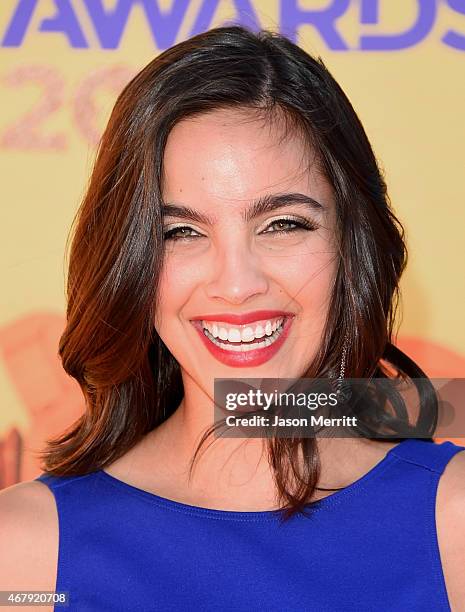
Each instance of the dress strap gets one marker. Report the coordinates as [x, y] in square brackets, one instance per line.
[54, 482]
[431, 455]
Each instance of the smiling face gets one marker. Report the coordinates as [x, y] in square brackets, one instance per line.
[250, 252]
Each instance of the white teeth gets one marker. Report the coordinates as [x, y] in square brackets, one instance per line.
[234, 335]
[241, 346]
[247, 334]
[241, 333]
[241, 337]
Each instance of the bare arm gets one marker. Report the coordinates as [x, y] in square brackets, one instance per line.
[450, 522]
[29, 537]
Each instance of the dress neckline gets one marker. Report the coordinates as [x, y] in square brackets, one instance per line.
[253, 514]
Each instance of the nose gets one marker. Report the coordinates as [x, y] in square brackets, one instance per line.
[238, 275]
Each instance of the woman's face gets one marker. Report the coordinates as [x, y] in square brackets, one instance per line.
[250, 249]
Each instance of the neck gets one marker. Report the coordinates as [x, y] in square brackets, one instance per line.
[237, 469]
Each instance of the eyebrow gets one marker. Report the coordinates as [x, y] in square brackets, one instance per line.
[263, 204]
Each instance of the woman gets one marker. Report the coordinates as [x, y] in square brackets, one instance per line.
[235, 197]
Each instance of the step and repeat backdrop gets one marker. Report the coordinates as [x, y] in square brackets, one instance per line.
[63, 63]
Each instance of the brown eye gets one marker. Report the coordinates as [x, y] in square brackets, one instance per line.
[283, 225]
[289, 225]
[180, 233]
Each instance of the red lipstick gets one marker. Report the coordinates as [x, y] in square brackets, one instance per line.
[250, 358]
[244, 318]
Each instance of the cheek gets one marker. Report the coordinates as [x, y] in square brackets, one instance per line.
[310, 282]
[178, 280]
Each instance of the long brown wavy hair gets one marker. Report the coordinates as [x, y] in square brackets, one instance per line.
[130, 381]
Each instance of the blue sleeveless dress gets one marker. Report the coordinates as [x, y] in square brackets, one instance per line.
[369, 547]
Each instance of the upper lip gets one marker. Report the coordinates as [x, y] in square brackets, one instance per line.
[243, 318]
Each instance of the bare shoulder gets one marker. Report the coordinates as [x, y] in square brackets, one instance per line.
[29, 536]
[450, 523]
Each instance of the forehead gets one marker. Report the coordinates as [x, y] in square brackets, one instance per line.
[229, 156]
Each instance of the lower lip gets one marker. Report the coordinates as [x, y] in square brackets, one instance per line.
[241, 359]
